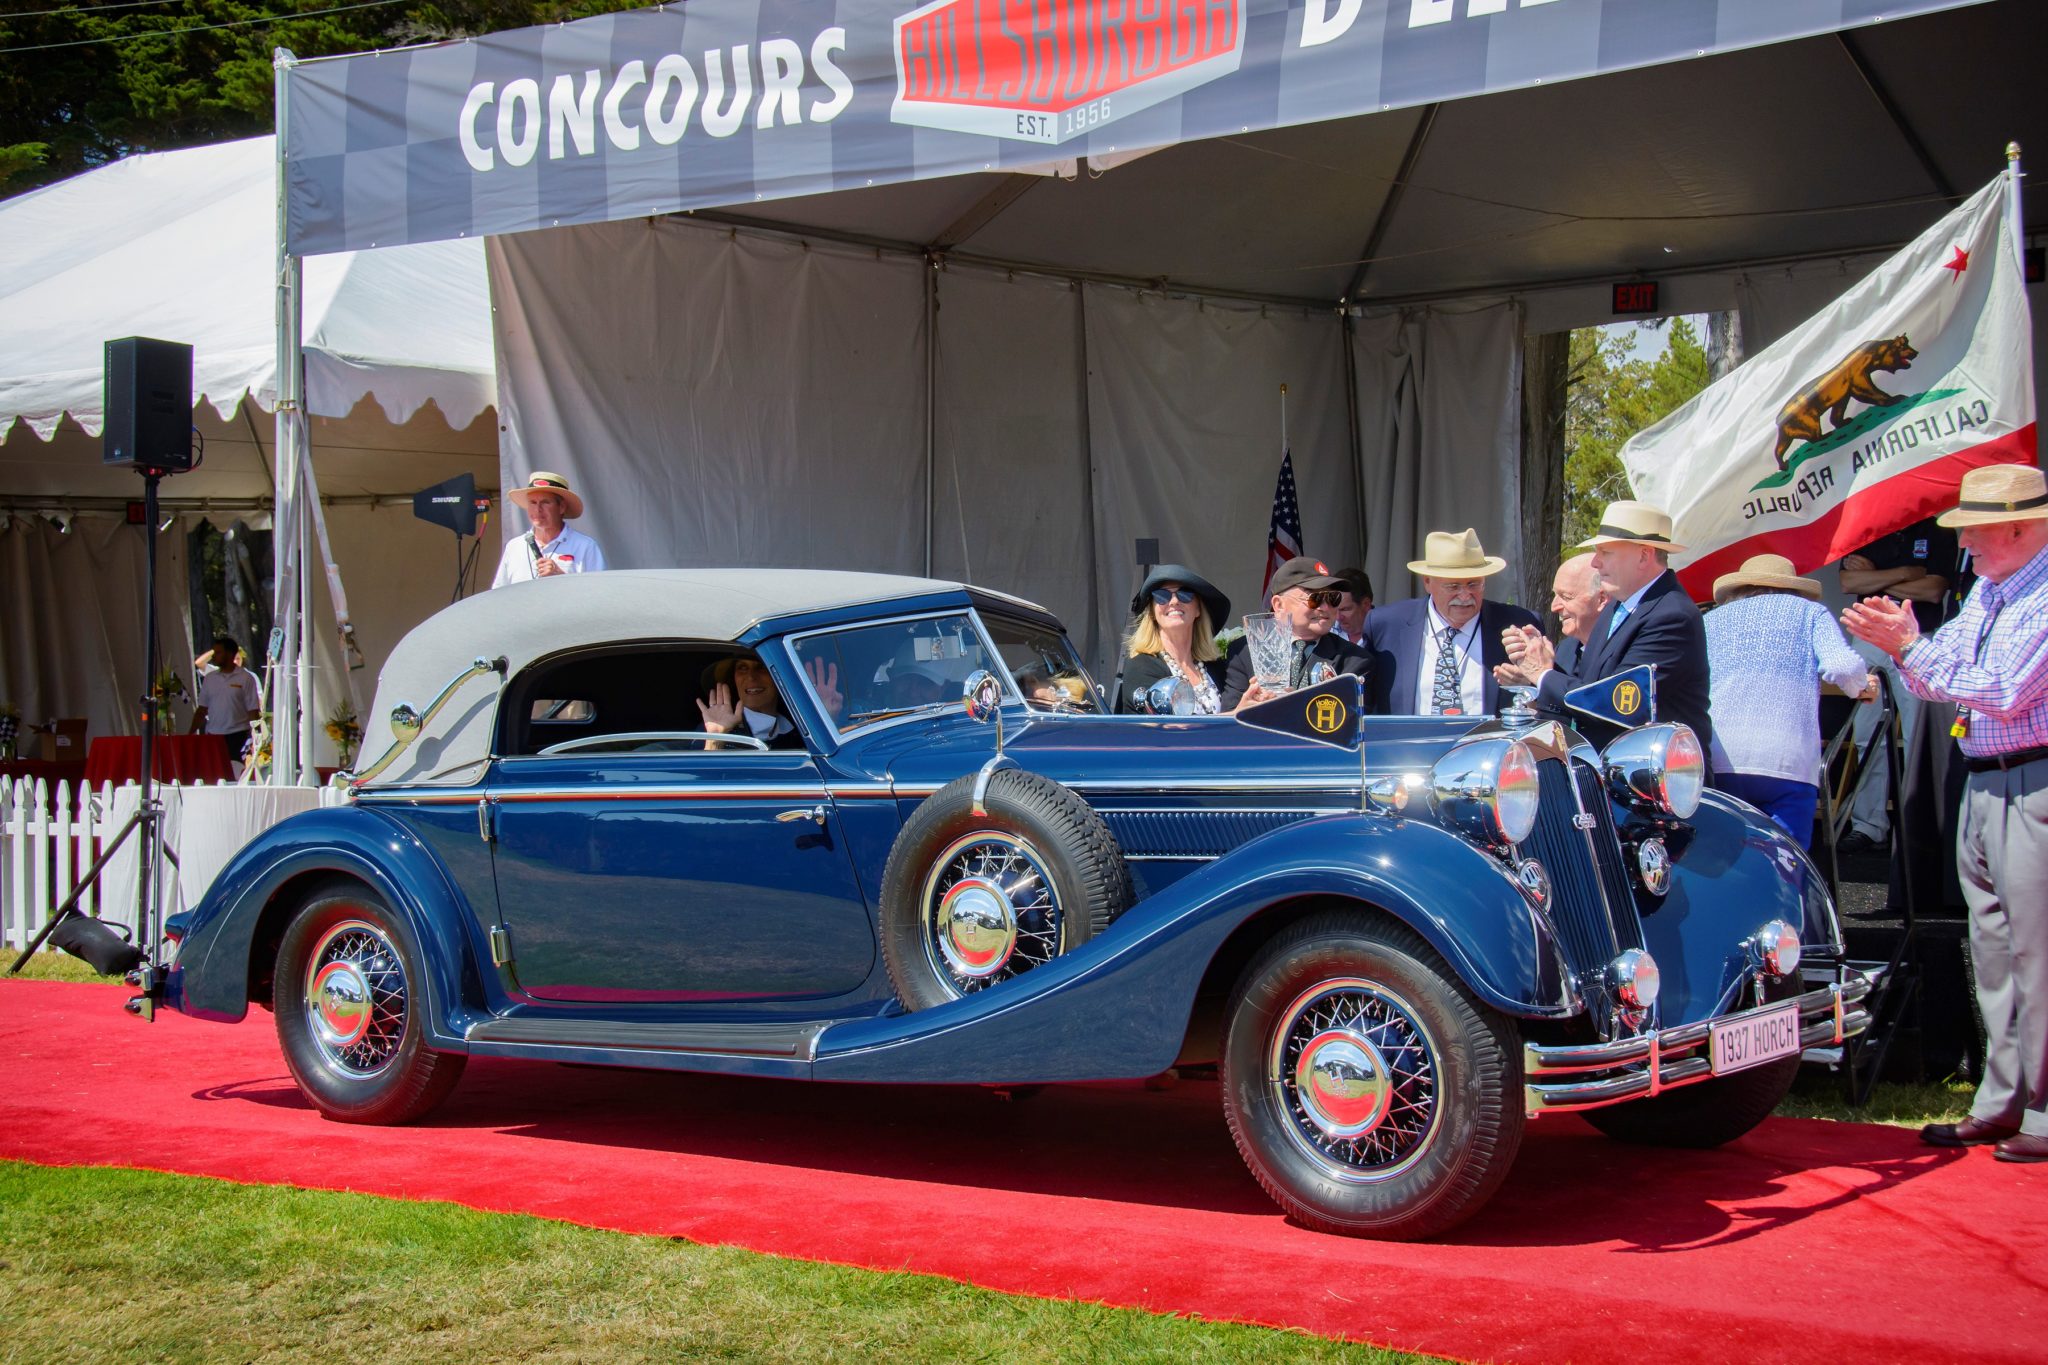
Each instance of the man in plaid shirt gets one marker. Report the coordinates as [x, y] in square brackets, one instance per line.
[1992, 662]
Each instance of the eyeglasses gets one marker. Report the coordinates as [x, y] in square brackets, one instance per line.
[1325, 597]
[1164, 595]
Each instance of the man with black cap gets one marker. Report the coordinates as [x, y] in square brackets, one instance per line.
[1304, 594]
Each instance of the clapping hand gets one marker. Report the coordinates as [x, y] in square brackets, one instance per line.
[1883, 621]
[721, 714]
[1529, 651]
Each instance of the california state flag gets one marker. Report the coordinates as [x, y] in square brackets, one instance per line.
[1862, 420]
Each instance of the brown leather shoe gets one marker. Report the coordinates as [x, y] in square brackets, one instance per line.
[1971, 1132]
[2025, 1147]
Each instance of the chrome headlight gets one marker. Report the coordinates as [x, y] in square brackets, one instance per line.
[1635, 978]
[1487, 789]
[1661, 767]
[1777, 949]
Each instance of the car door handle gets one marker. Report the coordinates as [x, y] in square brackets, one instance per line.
[790, 817]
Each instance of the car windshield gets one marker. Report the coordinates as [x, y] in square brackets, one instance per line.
[903, 666]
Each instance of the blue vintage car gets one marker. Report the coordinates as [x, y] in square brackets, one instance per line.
[577, 845]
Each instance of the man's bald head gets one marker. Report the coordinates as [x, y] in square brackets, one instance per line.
[1576, 598]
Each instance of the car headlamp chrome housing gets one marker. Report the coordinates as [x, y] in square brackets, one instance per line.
[1487, 789]
[1660, 768]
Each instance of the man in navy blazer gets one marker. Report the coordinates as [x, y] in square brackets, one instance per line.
[1435, 654]
[1648, 619]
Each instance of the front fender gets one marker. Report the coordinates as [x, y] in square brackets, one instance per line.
[1735, 873]
[1119, 1005]
[211, 977]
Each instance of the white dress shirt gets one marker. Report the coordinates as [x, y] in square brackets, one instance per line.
[574, 551]
[1471, 667]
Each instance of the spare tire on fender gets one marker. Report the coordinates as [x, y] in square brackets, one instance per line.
[970, 900]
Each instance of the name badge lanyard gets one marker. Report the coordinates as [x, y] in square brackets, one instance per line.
[1960, 728]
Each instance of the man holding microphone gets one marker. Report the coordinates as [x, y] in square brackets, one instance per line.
[550, 548]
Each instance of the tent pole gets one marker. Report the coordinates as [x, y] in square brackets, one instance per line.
[286, 644]
[1347, 337]
[931, 403]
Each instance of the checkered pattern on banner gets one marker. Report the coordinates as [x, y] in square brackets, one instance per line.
[730, 102]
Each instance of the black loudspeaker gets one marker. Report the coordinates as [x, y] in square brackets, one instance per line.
[148, 405]
[452, 504]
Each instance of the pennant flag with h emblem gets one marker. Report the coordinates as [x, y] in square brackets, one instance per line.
[1628, 698]
[1327, 713]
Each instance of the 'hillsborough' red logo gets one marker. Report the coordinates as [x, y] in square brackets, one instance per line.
[1048, 70]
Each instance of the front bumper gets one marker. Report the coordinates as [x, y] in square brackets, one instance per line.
[1559, 1079]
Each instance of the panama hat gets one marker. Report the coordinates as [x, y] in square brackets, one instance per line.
[1999, 492]
[1766, 571]
[1633, 523]
[1213, 602]
[1449, 554]
[545, 482]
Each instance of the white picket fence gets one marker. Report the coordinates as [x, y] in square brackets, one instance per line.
[51, 836]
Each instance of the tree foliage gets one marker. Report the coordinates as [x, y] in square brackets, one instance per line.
[88, 83]
[1612, 394]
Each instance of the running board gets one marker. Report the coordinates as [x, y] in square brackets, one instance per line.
[796, 1041]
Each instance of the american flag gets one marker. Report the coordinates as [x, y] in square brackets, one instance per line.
[1283, 541]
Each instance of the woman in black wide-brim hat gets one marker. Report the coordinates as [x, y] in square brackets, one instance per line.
[1174, 619]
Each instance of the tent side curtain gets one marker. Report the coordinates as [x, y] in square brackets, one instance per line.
[722, 398]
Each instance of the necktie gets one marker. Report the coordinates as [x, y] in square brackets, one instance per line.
[1297, 673]
[1620, 615]
[1444, 699]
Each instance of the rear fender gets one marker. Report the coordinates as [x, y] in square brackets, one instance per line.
[211, 978]
[1119, 1005]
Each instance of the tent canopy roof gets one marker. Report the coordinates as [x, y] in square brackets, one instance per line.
[182, 246]
[1821, 146]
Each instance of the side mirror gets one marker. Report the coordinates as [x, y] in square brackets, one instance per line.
[1169, 697]
[984, 695]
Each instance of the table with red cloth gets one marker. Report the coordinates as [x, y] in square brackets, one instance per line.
[34, 769]
[175, 758]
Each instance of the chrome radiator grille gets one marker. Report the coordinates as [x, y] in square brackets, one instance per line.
[1591, 904]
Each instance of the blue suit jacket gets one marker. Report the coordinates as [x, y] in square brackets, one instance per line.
[1667, 631]
[1394, 637]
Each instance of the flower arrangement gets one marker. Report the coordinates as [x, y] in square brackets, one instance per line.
[345, 728]
[10, 726]
[165, 686]
[256, 758]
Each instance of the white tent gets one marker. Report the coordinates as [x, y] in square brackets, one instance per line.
[181, 246]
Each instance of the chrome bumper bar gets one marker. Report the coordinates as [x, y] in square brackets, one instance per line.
[1592, 1075]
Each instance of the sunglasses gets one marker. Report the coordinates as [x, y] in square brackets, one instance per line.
[1164, 595]
[1324, 597]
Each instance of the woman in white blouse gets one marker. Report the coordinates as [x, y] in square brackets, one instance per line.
[1770, 644]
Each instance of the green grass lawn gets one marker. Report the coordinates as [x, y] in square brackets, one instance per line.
[113, 1265]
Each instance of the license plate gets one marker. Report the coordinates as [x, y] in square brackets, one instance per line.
[1753, 1039]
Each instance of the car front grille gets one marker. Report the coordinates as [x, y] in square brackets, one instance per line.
[1591, 904]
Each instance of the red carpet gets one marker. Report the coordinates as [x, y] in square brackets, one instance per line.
[1805, 1241]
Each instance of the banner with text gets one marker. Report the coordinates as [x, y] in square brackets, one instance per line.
[720, 103]
[1863, 419]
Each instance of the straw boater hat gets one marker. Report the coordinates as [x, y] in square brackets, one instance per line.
[1633, 523]
[1450, 554]
[1766, 571]
[1999, 492]
[545, 482]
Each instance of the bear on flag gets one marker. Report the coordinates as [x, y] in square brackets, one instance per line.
[1864, 418]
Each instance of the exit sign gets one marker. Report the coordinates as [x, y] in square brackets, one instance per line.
[1639, 296]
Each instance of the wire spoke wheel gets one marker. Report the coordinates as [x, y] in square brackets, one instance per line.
[990, 912]
[1356, 1072]
[356, 999]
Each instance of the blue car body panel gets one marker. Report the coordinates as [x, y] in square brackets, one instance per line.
[721, 911]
